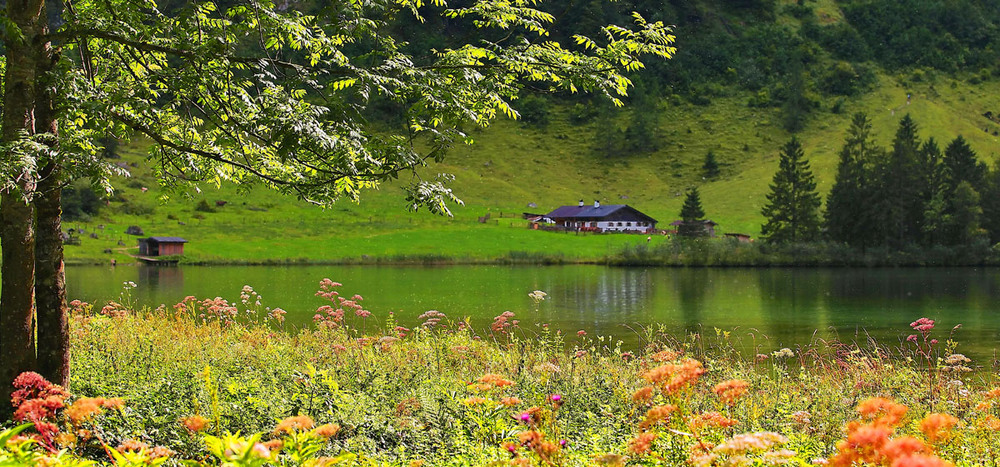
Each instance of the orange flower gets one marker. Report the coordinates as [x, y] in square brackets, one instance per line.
[643, 395]
[195, 423]
[83, 409]
[863, 444]
[495, 380]
[327, 431]
[921, 460]
[937, 426]
[475, 400]
[86, 407]
[657, 414]
[882, 411]
[903, 447]
[711, 420]
[641, 444]
[510, 401]
[66, 439]
[274, 444]
[729, 391]
[672, 377]
[993, 394]
[296, 423]
[990, 423]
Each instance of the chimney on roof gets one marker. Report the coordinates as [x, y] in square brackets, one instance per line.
[581, 203]
[597, 203]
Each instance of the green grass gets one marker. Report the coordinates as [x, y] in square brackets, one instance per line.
[511, 165]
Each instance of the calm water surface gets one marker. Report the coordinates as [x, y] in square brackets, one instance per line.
[779, 307]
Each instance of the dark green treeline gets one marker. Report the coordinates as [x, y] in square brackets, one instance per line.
[912, 195]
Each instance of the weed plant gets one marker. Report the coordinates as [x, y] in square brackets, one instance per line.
[213, 383]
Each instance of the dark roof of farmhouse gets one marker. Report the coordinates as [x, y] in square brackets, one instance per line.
[166, 240]
[589, 211]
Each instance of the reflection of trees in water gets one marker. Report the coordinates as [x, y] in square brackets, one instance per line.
[792, 303]
[911, 285]
[604, 300]
[691, 286]
[154, 278]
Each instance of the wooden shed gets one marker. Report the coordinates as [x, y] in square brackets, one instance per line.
[161, 246]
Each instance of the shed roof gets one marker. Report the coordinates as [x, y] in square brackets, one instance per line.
[703, 221]
[590, 211]
[165, 240]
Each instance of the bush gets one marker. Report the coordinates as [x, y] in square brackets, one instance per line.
[845, 79]
[204, 206]
[534, 110]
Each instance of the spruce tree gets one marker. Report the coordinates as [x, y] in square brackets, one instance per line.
[692, 215]
[792, 209]
[963, 178]
[850, 215]
[990, 202]
[931, 176]
[796, 107]
[898, 197]
[963, 165]
[710, 168]
[691, 210]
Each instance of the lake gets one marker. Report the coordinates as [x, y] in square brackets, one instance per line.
[778, 307]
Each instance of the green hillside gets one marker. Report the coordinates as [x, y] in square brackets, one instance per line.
[559, 154]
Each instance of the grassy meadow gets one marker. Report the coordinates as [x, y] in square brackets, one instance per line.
[215, 383]
[512, 164]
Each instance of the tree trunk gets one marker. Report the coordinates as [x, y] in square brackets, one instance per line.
[17, 239]
[50, 282]
[17, 347]
[50, 274]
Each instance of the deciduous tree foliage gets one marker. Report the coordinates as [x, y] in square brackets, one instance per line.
[792, 209]
[257, 94]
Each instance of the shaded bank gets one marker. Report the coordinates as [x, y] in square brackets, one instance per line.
[730, 252]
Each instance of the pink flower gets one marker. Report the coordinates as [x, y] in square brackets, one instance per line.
[922, 325]
[581, 333]
[556, 398]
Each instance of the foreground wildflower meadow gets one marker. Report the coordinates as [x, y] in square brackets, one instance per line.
[208, 382]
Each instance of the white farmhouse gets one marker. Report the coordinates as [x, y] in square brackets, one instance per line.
[597, 218]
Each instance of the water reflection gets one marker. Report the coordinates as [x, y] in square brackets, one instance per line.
[600, 302]
[160, 277]
[788, 306]
[797, 303]
[691, 288]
